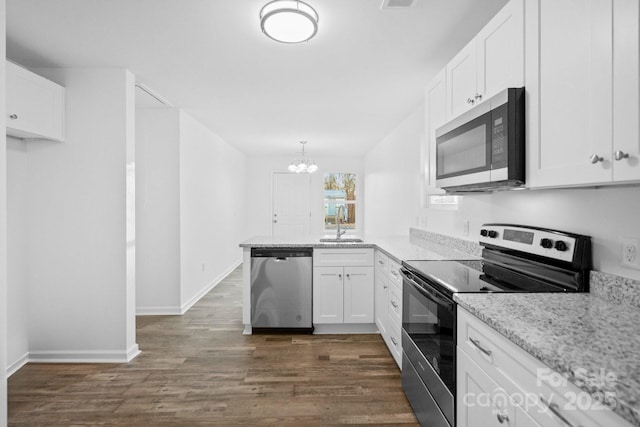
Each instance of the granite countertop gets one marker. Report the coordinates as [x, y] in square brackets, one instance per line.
[574, 334]
[398, 247]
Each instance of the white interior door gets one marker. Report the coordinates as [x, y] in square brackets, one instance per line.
[291, 214]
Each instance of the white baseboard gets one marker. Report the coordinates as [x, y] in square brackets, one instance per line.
[15, 366]
[159, 311]
[187, 305]
[87, 356]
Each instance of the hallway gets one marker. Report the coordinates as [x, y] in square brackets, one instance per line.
[198, 369]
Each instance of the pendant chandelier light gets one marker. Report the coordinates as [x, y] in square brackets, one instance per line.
[289, 21]
[303, 165]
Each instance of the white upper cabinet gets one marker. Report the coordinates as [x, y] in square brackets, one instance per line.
[626, 90]
[35, 105]
[582, 83]
[461, 81]
[491, 62]
[435, 116]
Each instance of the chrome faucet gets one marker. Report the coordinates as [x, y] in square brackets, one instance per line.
[338, 217]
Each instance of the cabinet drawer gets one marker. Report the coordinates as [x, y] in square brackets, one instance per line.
[395, 305]
[523, 376]
[394, 341]
[394, 273]
[343, 257]
[381, 262]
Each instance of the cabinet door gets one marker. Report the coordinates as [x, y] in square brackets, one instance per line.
[461, 81]
[35, 105]
[479, 400]
[381, 295]
[435, 116]
[569, 84]
[328, 295]
[500, 50]
[626, 93]
[358, 295]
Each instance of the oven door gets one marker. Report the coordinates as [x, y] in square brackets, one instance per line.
[428, 338]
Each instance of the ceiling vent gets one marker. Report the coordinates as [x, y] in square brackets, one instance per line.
[397, 4]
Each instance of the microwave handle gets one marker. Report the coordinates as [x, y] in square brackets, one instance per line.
[430, 294]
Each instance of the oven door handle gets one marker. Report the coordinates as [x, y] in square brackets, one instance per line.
[430, 294]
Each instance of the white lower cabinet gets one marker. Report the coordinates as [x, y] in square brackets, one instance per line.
[388, 291]
[499, 384]
[343, 294]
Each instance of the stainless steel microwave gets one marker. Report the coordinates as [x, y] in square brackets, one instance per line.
[484, 148]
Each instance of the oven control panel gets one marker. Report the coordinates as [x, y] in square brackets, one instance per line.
[537, 241]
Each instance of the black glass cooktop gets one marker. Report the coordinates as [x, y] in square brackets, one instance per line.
[452, 277]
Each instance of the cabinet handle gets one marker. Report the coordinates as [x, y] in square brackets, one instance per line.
[275, 220]
[385, 286]
[478, 97]
[482, 349]
[470, 101]
[13, 116]
[348, 276]
[555, 409]
[340, 276]
[380, 262]
[395, 273]
[595, 158]
[619, 155]
[393, 340]
[502, 418]
[393, 303]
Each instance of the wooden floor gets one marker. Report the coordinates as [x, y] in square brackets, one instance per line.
[198, 369]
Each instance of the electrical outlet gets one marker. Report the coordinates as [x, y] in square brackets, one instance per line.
[630, 253]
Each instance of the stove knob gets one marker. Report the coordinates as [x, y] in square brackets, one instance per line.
[493, 234]
[483, 232]
[546, 243]
[561, 246]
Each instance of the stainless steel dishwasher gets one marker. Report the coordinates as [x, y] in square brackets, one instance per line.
[281, 280]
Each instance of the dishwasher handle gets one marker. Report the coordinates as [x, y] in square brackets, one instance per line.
[281, 253]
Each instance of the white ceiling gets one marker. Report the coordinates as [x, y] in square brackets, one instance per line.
[343, 91]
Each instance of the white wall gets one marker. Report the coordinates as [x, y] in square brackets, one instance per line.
[80, 301]
[392, 192]
[157, 210]
[260, 171]
[605, 214]
[3, 222]
[213, 205]
[191, 210]
[17, 254]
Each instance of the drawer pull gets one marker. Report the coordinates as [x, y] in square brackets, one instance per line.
[393, 303]
[394, 272]
[553, 407]
[482, 349]
[502, 418]
[393, 340]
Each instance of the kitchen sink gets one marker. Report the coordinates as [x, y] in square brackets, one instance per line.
[341, 240]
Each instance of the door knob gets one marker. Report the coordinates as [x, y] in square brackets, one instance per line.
[595, 158]
[619, 155]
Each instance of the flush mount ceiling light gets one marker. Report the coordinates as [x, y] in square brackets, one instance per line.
[289, 21]
[303, 165]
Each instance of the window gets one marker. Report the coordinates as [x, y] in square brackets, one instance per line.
[340, 195]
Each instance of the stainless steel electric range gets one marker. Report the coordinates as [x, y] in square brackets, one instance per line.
[515, 258]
